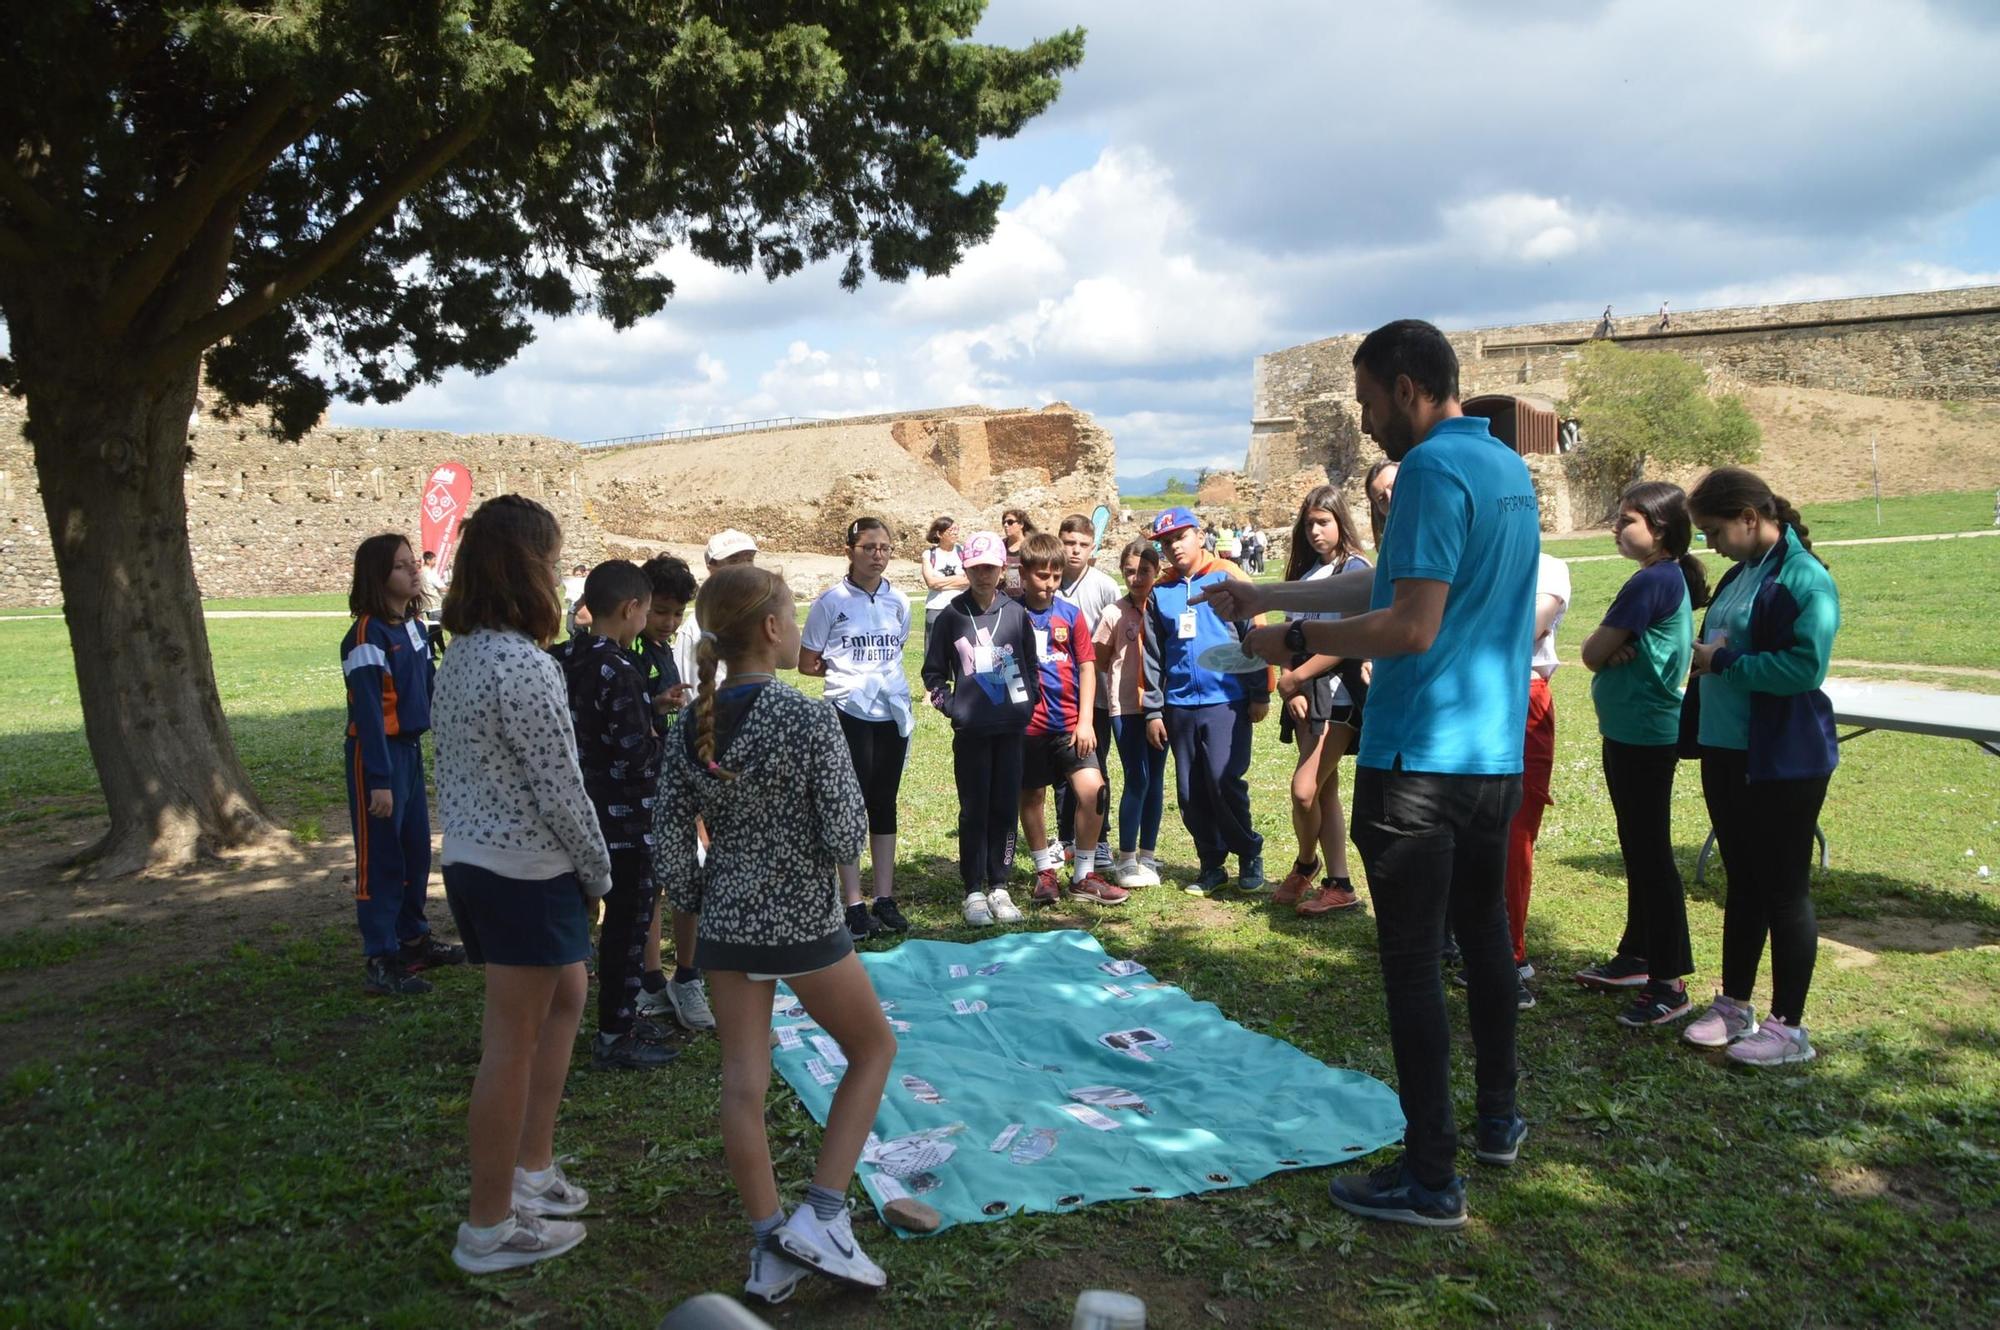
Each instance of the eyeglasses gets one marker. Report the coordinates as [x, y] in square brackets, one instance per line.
[873, 549]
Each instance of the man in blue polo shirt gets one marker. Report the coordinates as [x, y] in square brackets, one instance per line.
[1439, 773]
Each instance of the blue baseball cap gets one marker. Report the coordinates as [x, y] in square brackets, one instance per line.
[1171, 520]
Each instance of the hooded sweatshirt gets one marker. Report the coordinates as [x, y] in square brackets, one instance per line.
[987, 663]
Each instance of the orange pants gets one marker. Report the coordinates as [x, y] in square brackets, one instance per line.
[1538, 756]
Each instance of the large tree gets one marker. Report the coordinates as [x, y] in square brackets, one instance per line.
[351, 197]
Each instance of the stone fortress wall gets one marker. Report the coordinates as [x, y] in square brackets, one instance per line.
[1933, 345]
[267, 517]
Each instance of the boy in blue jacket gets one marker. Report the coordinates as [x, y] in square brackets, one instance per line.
[1205, 716]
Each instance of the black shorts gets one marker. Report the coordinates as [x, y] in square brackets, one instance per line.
[1321, 711]
[1051, 759]
[509, 921]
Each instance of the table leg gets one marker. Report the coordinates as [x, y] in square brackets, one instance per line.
[1701, 862]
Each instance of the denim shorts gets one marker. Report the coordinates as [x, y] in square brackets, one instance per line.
[509, 921]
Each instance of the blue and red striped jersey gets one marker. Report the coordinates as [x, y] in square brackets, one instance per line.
[1062, 640]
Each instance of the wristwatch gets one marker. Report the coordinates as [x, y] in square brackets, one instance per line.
[1295, 637]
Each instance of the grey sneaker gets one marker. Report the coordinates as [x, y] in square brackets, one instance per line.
[520, 1240]
[1725, 1021]
[690, 1004]
[655, 1004]
[553, 1195]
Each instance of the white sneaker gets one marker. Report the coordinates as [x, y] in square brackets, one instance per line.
[1003, 907]
[557, 1195]
[655, 1004]
[520, 1240]
[977, 912]
[1130, 873]
[772, 1276]
[829, 1248]
[1151, 868]
[690, 1004]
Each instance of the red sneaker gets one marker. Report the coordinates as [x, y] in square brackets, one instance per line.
[1326, 900]
[1048, 888]
[1293, 888]
[1091, 887]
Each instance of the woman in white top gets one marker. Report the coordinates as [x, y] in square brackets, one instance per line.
[854, 638]
[944, 572]
[1322, 713]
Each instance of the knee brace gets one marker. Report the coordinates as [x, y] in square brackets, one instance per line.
[1103, 799]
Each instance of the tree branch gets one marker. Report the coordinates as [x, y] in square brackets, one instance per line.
[192, 338]
[37, 211]
[176, 219]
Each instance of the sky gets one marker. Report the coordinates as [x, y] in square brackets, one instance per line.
[1220, 181]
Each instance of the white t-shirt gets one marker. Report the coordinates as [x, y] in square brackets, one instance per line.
[686, 638]
[1092, 591]
[945, 563]
[1347, 565]
[861, 637]
[572, 592]
[1551, 580]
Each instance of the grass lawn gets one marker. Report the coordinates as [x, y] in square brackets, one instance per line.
[241, 1139]
[1850, 519]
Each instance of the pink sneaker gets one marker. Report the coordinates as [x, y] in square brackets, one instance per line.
[1775, 1044]
[1091, 887]
[1725, 1021]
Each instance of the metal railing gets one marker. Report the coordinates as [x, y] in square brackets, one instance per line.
[705, 431]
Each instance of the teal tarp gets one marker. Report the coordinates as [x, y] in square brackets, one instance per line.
[1007, 1096]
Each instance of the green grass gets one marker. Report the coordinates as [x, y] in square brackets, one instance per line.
[243, 1140]
[1850, 519]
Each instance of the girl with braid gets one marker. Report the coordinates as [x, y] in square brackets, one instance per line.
[767, 770]
[1763, 730]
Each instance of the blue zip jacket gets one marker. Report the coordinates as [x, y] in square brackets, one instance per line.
[1792, 623]
[1172, 679]
[389, 673]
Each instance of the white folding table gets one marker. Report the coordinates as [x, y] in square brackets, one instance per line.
[1907, 707]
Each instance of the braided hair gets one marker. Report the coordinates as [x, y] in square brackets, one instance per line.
[1729, 490]
[731, 608]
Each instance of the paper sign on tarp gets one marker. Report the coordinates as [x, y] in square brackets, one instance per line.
[447, 496]
[1037, 1073]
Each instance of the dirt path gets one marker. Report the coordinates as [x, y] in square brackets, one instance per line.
[1891, 667]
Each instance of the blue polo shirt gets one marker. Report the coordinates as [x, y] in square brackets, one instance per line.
[1465, 514]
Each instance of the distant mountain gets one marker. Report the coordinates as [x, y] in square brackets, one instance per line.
[1155, 482]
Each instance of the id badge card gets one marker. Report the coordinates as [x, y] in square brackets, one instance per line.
[1041, 644]
[982, 658]
[1187, 623]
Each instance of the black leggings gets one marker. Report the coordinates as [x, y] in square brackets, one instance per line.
[987, 768]
[1765, 832]
[621, 939]
[1640, 780]
[878, 750]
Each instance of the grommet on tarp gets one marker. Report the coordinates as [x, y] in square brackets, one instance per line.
[994, 1208]
[1071, 1199]
[1218, 1177]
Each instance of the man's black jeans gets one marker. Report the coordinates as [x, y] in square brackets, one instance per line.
[1435, 847]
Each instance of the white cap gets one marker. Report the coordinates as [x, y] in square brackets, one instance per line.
[727, 542]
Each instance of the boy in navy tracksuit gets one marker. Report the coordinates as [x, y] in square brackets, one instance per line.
[1206, 716]
[386, 660]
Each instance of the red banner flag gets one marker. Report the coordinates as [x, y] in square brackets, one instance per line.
[447, 499]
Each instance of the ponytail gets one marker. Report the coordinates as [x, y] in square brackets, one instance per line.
[731, 608]
[705, 661]
[1664, 509]
[1730, 490]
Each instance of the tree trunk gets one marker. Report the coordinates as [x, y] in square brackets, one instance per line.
[111, 452]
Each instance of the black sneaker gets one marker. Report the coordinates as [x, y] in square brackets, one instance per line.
[1498, 1140]
[1655, 1004]
[1390, 1193]
[649, 1031]
[386, 977]
[1618, 972]
[889, 916]
[427, 953]
[861, 925]
[628, 1052]
[1524, 998]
